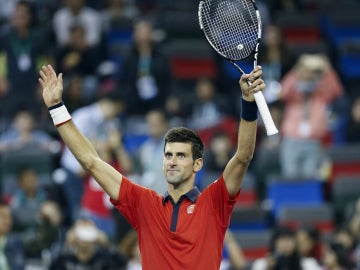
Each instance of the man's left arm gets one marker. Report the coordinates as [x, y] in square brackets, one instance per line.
[239, 163]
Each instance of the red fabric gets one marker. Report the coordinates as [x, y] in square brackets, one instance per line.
[94, 198]
[198, 240]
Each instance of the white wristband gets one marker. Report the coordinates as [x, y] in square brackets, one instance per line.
[59, 114]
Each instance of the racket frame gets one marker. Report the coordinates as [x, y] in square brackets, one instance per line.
[259, 97]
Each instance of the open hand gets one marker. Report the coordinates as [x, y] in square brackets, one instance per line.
[52, 85]
[251, 83]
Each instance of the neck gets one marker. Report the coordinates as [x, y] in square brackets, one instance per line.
[22, 32]
[176, 191]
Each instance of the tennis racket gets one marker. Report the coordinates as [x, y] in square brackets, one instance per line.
[233, 28]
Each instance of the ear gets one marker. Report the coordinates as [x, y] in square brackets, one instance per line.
[198, 164]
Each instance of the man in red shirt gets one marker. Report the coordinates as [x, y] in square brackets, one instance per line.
[184, 229]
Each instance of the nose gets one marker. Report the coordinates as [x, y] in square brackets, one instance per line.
[173, 160]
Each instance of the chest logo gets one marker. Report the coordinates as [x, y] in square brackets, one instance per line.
[190, 209]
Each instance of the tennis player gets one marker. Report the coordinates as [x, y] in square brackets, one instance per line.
[184, 229]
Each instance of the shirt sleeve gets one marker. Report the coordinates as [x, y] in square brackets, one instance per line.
[129, 200]
[220, 200]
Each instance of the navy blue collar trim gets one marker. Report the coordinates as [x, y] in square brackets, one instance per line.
[192, 195]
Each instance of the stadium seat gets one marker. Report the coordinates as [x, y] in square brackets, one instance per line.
[254, 244]
[249, 217]
[319, 216]
[345, 160]
[299, 26]
[190, 59]
[344, 192]
[288, 192]
[30, 156]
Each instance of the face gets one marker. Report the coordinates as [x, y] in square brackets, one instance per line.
[304, 242]
[21, 17]
[24, 121]
[178, 164]
[143, 32]
[329, 258]
[29, 181]
[285, 245]
[157, 124]
[6, 220]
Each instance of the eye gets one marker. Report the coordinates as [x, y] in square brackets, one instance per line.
[168, 155]
[181, 156]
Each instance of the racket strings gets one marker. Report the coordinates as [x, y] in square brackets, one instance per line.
[231, 26]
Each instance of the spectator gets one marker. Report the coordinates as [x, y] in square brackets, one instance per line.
[309, 243]
[352, 128]
[75, 11]
[76, 56]
[216, 156]
[11, 247]
[335, 257]
[307, 91]
[276, 61]
[86, 247]
[284, 254]
[175, 111]
[22, 47]
[117, 12]
[47, 235]
[74, 93]
[208, 107]
[233, 259]
[129, 247]
[344, 236]
[219, 152]
[23, 132]
[26, 201]
[144, 75]
[151, 172]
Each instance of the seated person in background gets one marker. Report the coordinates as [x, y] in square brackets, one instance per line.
[47, 233]
[87, 247]
[27, 199]
[307, 92]
[208, 107]
[233, 257]
[147, 156]
[352, 128]
[344, 237]
[284, 254]
[23, 132]
[11, 248]
[129, 247]
[216, 156]
[335, 257]
[308, 242]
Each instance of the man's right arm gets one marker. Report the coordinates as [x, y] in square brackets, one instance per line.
[108, 178]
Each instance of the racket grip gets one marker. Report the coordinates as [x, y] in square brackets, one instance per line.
[265, 114]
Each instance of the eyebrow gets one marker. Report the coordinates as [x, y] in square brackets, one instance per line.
[177, 153]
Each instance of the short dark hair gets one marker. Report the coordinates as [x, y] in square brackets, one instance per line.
[186, 135]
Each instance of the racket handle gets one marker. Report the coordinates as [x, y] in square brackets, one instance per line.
[265, 114]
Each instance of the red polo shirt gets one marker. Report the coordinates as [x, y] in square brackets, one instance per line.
[187, 235]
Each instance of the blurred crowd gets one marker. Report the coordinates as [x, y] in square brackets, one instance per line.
[123, 95]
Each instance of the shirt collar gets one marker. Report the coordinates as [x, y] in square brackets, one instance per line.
[191, 195]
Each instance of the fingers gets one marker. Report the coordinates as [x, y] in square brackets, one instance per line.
[42, 74]
[255, 74]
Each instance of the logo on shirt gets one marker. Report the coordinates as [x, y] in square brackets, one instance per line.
[190, 209]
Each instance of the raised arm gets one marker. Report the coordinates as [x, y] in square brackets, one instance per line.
[79, 145]
[238, 165]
